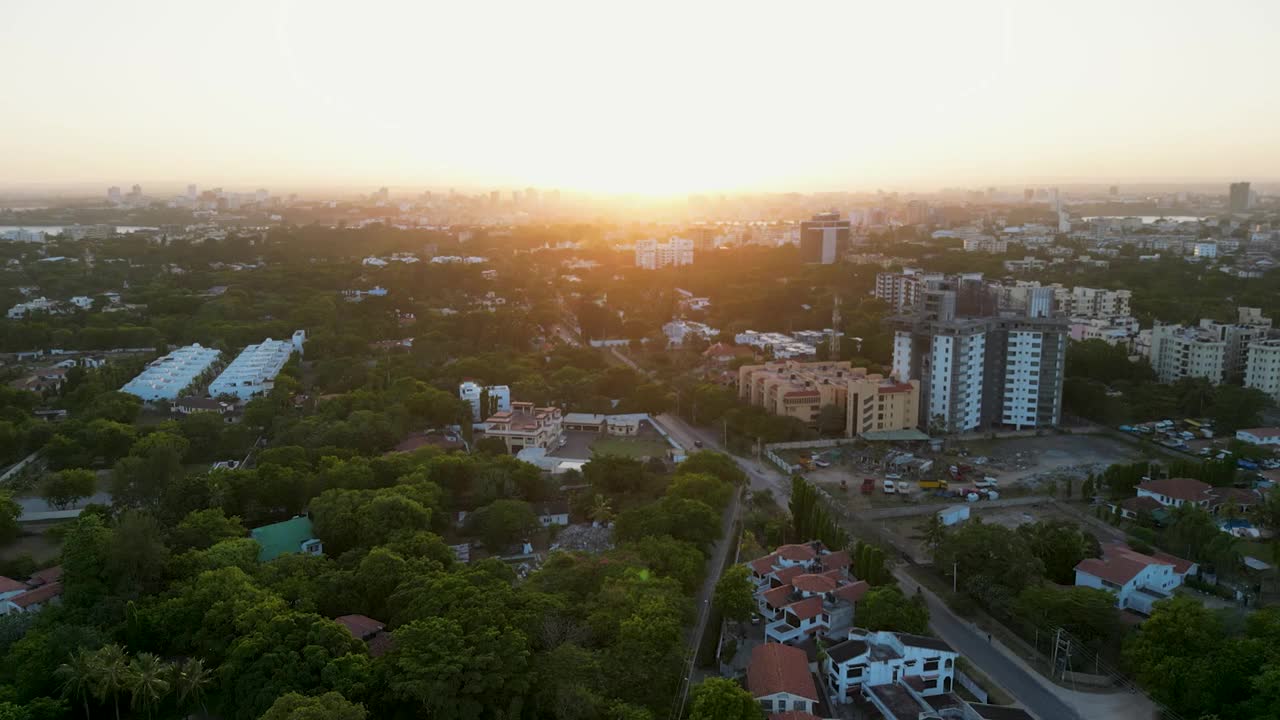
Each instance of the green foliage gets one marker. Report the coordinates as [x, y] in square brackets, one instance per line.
[993, 563]
[503, 522]
[65, 487]
[329, 706]
[885, 608]
[735, 594]
[1060, 545]
[705, 488]
[723, 699]
[1089, 614]
[811, 519]
[10, 511]
[691, 521]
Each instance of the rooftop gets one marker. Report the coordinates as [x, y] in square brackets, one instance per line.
[778, 668]
[1186, 489]
[283, 537]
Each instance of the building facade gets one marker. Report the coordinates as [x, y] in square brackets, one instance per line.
[254, 370]
[824, 239]
[484, 400]
[868, 401]
[1262, 368]
[526, 426]
[652, 254]
[167, 377]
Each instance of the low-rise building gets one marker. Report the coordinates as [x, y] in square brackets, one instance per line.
[42, 589]
[778, 677]
[525, 426]
[1260, 436]
[1177, 492]
[868, 660]
[1139, 581]
[485, 400]
[295, 535]
[254, 370]
[868, 401]
[167, 377]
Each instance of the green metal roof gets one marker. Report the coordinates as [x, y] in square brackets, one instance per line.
[282, 538]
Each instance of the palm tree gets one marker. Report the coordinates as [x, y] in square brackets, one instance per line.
[146, 680]
[190, 679]
[935, 533]
[77, 677]
[600, 510]
[110, 664]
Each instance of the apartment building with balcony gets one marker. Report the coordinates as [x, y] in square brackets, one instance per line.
[526, 426]
[869, 401]
[867, 661]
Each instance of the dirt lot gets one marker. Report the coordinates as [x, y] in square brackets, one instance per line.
[1033, 461]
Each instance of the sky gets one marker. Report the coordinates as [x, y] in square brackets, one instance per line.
[655, 97]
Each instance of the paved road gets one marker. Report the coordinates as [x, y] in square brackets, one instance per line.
[761, 475]
[991, 657]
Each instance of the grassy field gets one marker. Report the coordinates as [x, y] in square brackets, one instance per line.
[629, 447]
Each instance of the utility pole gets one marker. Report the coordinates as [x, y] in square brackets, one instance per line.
[955, 570]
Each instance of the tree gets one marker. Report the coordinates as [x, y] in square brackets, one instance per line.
[110, 669]
[1060, 545]
[77, 678]
[452, 675]
[885, 608]
[1171, 655]
[831, 420]
[1089, 614]
[714, 463]
[204, 528]
[147, 680]
[190, 680]
[993, 563]
[735, 594]
[329, 706]
[65, 487]
[934, 533]
[708, 489]
[10, 511]
[719, 698]
[491, 446]
[503, 522]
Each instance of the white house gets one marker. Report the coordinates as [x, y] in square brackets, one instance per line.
[551, 513]
[1139, 581]
[1176, 492]
[1260, 436]
[870, 659]
[499, 397]
[778, 678]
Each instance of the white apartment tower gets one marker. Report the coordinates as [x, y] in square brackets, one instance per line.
[651, 254]
[1262, 371]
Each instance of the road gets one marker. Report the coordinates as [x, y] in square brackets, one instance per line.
[760, 475]
[990, 656]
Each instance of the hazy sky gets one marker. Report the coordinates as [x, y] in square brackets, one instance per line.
[649, 97]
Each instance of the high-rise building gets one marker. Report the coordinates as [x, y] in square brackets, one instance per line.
[1178, 352]
[1114, 190]
[1028, 195]
[1262, 371]
[113, 194]
[917, 212]
[985, 371]
[531, 197]
[824, 238]
[651, 254]
[495, 197]
[192, 194]
[1239, 197]
[1055, 201]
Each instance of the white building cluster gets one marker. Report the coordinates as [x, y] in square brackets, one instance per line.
[254, 370]
[167, 377]
[652, 254]
[485, 400]
[800, 344]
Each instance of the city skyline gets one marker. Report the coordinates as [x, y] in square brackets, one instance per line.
[713, 98]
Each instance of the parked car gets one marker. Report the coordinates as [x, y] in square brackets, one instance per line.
[889, 487]
[868, 485]
[697, 443]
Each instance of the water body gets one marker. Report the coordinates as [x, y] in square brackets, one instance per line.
[1148, 219]
[57, 229]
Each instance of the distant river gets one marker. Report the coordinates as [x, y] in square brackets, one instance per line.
[57, 229]
[1148, 219]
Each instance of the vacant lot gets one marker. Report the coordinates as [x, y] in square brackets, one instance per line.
[1035, 460]
[631, 447]
[907, 531]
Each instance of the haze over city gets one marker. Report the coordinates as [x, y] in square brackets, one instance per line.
[657, 98]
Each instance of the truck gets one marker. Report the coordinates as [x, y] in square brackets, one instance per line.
[938, 484]
[868, 485]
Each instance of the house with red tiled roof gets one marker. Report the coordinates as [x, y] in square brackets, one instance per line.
[41, 589]
[803, 590]
[371, 631]
[778, 677]
[1177, 492]
[1138, 580]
